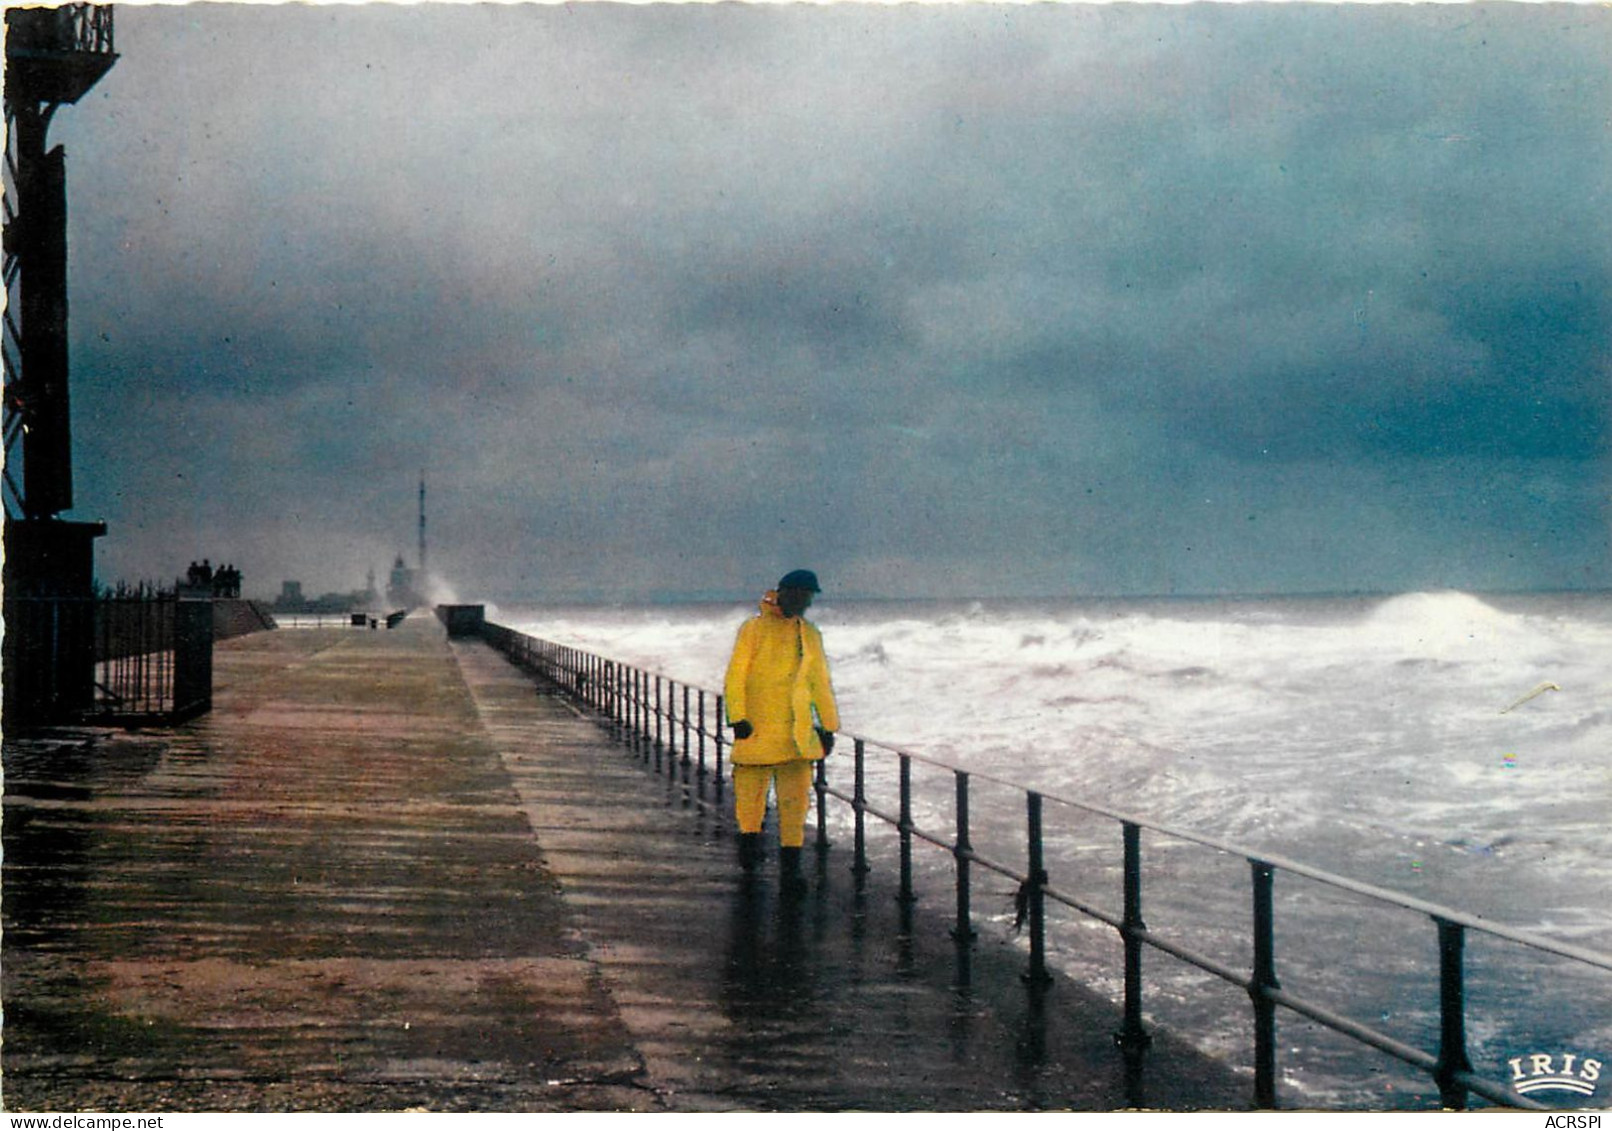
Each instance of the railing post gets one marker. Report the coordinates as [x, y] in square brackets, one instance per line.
[620, 684]
[719, 740]
[859, 805]
[1264, 980]
[820, 776]
[676, 760]
[643, 715]
[963, 930]
[905, 828]
[660, 742]
[640, 704]
[1034, 895]
[1452, 1054]
[193, 657]
[1132, 1036]
[666, 706]
[701, 767]
[686, 731]
[624, 703]
[618, 697]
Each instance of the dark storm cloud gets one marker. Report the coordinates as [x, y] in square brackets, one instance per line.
[941, 299]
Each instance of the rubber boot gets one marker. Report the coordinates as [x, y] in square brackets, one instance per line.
[749, 851]
[790, 879]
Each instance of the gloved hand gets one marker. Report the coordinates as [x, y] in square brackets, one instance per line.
[743, 729]
[827, 737]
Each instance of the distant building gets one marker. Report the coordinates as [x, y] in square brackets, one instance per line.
[293, 600]
[402, 590]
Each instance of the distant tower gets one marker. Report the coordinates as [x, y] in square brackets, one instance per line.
[422, 528]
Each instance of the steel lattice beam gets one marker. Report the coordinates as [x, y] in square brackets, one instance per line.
[53, 57]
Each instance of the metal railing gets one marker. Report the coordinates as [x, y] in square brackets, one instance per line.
[341, 619]
[146, 658]
[153, 658]
[322, 620]
[675, 725]
[49, 659]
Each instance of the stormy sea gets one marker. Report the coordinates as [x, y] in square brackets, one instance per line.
[1451, 747]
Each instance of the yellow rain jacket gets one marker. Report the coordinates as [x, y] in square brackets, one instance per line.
[777, 676]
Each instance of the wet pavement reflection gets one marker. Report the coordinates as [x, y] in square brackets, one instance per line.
[388, 872]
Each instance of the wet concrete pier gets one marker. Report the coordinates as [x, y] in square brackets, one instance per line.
[387, 873]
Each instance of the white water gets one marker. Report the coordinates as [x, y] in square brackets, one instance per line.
[1381, 739]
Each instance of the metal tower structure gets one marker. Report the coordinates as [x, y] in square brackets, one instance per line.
[47, 654]
[422, 531]
[53, 57]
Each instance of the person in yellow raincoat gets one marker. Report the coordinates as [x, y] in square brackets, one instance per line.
[780, 703]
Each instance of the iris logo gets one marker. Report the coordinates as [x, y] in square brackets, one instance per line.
[1554, 1072]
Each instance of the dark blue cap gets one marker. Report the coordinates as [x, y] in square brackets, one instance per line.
[799, 579]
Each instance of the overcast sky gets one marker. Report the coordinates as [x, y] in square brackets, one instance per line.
[945, 300]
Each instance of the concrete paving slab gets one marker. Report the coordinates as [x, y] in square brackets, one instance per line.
[321, 896]
[740, 998]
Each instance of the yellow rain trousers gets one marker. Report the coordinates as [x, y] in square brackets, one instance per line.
[777, 678]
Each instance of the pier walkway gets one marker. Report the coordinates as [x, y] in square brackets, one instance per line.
[387, 873]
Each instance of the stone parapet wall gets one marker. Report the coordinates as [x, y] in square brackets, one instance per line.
[235, 617]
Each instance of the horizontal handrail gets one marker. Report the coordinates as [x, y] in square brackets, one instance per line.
[623, 692]
[1298, 868]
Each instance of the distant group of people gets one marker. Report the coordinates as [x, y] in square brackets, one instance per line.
[225, 581]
